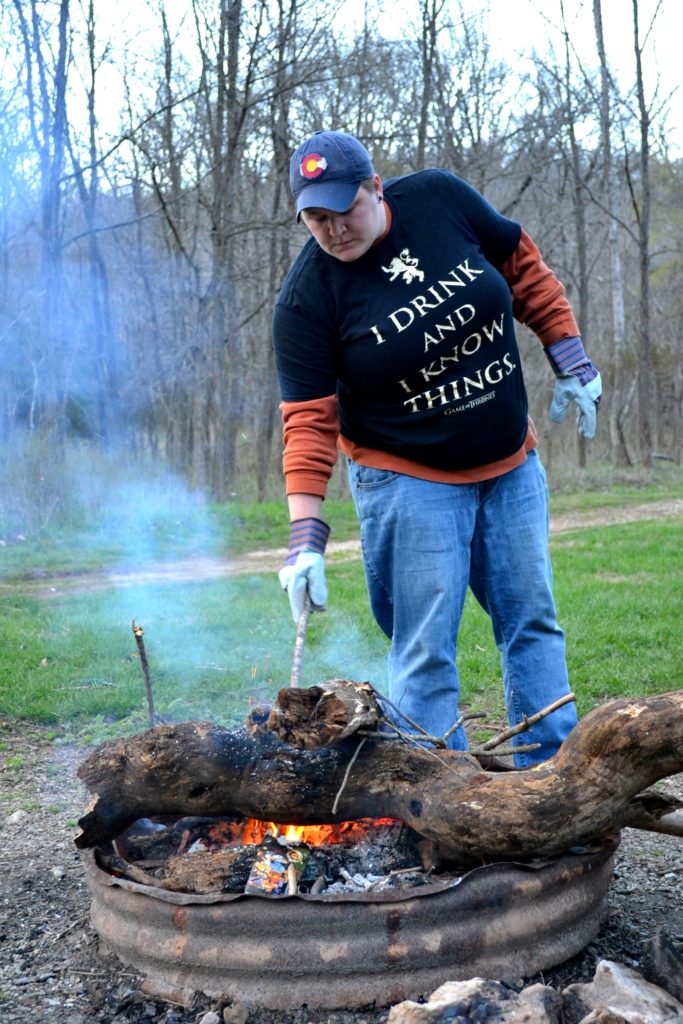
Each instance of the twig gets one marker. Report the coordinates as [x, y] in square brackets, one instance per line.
[461, 721]
[376, 735]
[79, 922]
[525, 724]
[297, 659]
[418, 728]
[437, 741]
[95, 974]
[509, 751]
[138, 633]
[419, 743]
[396, 873]
[349, 766]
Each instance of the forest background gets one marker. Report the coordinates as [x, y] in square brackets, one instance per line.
[146, 226]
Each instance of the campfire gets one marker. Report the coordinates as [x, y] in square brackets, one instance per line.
[409, 865]
[222, 855]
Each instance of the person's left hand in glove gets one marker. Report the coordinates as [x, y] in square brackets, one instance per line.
[304, 569]
[577, 381]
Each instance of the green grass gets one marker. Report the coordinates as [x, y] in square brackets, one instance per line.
[138, 534]
[105, 516]
[216, 647]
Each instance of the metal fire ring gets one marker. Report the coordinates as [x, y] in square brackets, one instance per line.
[504, 921]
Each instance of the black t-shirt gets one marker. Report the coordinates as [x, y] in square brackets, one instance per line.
[416, 337]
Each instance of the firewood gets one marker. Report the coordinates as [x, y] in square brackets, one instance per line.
[208, 871]
[323, 714]
[203, 871]
[574, 799]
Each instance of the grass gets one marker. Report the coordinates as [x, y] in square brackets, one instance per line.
[113, 519]
[140, 534]
[216, 647]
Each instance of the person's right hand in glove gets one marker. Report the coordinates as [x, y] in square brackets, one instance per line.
[304, 568]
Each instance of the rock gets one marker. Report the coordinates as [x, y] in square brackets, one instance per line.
[210, 1018]
[663, 962]
[479, 999]
[236, 1014]
[623, 991]
[17, 818]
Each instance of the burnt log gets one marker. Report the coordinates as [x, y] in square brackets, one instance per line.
[575, 799]
[319, 715]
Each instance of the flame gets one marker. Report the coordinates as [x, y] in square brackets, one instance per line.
[254, 831]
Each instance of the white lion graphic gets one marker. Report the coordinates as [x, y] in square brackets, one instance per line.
[405, 266]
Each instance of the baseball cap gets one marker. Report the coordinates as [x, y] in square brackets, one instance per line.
[326, 171]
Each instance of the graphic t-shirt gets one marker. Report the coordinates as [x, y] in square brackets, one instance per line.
[416, 337]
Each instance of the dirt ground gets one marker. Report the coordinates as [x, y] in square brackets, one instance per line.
[52, 969]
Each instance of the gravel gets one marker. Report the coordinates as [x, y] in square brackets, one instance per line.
[54, 973]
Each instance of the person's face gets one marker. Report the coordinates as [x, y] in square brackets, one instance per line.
[347, 236]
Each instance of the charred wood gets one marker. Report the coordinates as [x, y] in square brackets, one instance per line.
[581, 795]
[319, 715]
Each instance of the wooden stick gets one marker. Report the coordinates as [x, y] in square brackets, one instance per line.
[297, 660]
[138, 633]
[526, 724]
[346, 776]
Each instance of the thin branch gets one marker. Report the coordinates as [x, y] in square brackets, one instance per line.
[347, 773]
[525, 724]
[138, 633]
[297, 659]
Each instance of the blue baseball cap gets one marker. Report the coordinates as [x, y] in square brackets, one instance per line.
[327, 169]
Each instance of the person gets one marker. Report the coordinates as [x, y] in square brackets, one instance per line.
[394, 342]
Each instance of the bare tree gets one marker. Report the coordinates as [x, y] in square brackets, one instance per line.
[618, 390]
[46, 86]
[99, 291]
[642, 211]
[430, 13]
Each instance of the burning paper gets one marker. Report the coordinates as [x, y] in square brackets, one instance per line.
[278, 866]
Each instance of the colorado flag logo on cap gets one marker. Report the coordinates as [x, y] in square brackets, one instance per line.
[312, 166]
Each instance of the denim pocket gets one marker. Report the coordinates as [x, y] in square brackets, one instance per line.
[367, 476]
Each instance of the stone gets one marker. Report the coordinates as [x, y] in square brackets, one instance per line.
[663, 962]
[210, 1018]
[17, 818]
[481, 999]
[236, 1014]
[622, 990]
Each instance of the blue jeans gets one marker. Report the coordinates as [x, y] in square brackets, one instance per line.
[423, 543]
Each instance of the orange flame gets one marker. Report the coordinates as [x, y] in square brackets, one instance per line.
[254, 831]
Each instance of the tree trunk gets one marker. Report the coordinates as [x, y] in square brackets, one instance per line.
[645, 390]
[575, 157]
[582, 794]
[620, 455]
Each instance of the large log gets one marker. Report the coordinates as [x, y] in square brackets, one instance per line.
[579, 796]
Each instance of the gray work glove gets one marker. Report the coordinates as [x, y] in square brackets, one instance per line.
[569, 388]
[577, 381]
[304, 569]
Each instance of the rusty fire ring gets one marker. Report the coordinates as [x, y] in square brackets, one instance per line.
[504, 921]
